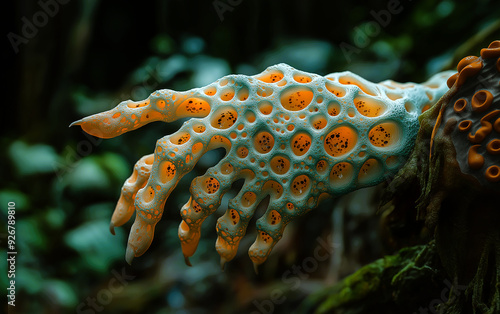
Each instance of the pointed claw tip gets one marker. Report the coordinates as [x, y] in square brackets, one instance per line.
[186, 260]
[112, 228]
[129, 255]
[78, 122]
[256, 268]
[222, 263]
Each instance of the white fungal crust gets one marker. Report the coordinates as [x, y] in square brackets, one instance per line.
[295, 136]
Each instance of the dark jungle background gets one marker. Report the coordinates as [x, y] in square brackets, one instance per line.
[87, 56]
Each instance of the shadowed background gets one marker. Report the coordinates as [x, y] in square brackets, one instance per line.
[87, 56]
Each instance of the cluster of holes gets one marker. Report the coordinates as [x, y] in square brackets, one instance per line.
[301, 143]
[384, 134]
[340, 141]
[481, 101]
[295, 99]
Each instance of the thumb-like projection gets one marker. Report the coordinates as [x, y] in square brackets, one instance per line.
[294, 136]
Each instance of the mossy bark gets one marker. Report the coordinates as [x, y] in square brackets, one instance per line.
[459, 270]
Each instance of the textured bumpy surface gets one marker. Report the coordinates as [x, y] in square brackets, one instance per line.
[294, 136]
[475, 109]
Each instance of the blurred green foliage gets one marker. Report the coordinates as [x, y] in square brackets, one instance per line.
[92, 54]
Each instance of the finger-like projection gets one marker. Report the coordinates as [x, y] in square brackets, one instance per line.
[294, 136]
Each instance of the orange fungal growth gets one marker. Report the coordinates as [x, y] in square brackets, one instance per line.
[294, 137]
[465, 125]
[481, 100]
[460, 105]
[493, 173]
[476, 114]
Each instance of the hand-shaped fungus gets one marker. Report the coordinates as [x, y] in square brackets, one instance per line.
[295, 136]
